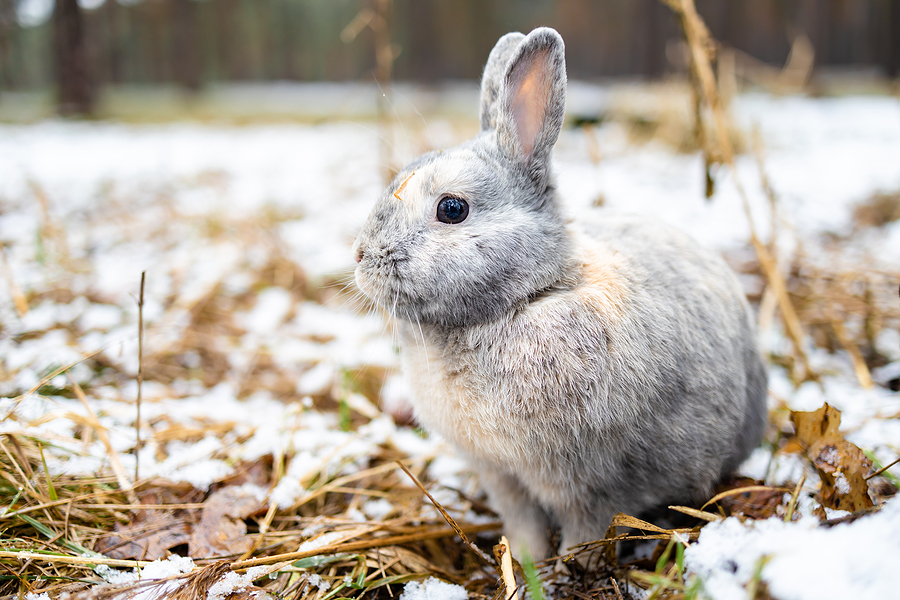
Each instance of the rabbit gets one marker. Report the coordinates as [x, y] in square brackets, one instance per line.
[584, 366]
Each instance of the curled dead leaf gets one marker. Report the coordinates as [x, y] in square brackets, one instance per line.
[841, 465]
[222, 531]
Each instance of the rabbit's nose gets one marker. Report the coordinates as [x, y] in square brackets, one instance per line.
[358, 253]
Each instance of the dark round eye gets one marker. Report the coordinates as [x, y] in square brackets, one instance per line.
[452, 210]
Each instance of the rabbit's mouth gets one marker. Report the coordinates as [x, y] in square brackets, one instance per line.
[382, 289]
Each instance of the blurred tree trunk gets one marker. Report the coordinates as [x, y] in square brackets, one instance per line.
[892, 64]
[7, 22]
[76, 91]
[188, 68]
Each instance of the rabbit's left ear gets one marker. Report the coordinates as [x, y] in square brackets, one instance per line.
[533, 101]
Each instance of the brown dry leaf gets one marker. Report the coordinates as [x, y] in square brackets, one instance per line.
[222, 531]
[150, 536]
[841, 464]
[751, 498]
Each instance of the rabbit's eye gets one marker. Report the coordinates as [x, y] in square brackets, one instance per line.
[452, 210]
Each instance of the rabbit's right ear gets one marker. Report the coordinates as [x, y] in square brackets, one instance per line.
[494, 74]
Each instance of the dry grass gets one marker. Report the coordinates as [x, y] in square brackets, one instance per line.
[58, 533]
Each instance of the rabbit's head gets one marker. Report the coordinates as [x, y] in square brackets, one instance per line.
[461, 236]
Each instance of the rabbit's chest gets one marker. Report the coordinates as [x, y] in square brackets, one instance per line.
[451, 401]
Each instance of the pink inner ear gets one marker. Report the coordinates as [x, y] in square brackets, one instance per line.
[531, 93]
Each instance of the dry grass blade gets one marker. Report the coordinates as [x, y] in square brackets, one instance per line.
[114, 461]
[741, 490]
[446, 516]
[71, 560]
[363, 545]
[698, 514]
[863, 375]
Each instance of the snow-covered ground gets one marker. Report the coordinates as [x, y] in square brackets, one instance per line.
[218, 216]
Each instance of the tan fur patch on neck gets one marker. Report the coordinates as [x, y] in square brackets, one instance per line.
[602, 286]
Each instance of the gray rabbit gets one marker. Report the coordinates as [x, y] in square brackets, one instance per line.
[584, 367]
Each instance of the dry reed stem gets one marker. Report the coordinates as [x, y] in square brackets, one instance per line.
[701, 44]
[615, 585]
[789, 513]
[859, 364]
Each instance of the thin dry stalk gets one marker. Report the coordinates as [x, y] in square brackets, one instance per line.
[863, 375]
[478, 552]
[140, 381]
[72, 560]
[701, 48]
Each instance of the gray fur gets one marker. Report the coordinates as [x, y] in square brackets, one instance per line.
[584, 368]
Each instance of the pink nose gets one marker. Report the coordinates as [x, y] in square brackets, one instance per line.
[359, 254]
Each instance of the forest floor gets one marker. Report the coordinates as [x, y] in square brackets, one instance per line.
[263, 457]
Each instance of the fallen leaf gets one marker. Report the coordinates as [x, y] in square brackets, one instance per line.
[841, 465]
[750, 498]
[152, 535]
[222, 531]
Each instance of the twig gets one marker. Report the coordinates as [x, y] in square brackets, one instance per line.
[881, 470]
[140, 380]
[445, 514]
[616, 588]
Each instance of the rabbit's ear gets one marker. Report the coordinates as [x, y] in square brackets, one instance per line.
[494, 74]
[532, 103]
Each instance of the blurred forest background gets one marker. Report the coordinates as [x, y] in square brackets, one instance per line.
[81, 47]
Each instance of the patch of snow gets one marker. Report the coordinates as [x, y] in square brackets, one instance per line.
[433, 589]
[228, 584]
[316, 580]
[841, 485]
[377, 509]
[799, 560]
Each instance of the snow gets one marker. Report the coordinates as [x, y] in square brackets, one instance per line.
[800, 560]
[433, 589]
[158, 569]
[206, 209]
[316, 580]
